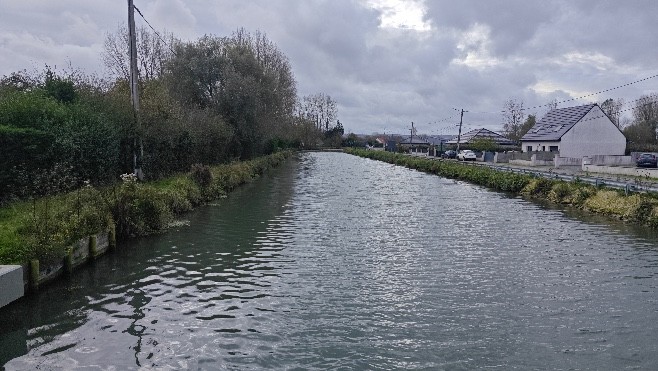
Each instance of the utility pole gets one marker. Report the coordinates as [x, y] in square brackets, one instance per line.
[138, 150]
[459, 136]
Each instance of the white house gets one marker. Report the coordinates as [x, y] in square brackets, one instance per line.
[575, 132]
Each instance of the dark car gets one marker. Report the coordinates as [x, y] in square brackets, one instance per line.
[647, 160]
[449, 154]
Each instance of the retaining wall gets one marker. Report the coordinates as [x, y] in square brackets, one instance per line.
[11, 284]
[30, 276]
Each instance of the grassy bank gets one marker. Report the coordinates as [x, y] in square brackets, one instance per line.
[44, 229]
[639, 208]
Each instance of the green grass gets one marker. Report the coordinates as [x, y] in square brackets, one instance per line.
[43, 229]
[13, 218]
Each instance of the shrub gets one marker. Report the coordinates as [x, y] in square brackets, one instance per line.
[560, 192]
[201, 175]
[636, 207]
[537, 187]
[139, 209]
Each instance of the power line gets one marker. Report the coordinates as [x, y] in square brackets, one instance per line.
[592, 94]
[442, 120]
[154, 30]
[627, 109]
[572, 99]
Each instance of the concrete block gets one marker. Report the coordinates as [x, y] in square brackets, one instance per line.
[11, 283]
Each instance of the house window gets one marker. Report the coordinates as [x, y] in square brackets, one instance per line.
[553, 149]
[528, 148]
[543, 148]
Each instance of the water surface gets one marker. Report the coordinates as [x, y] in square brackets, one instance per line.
[339, 262]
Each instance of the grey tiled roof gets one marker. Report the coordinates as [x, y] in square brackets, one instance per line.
[415, 141]
[481, 134]
[556, 123]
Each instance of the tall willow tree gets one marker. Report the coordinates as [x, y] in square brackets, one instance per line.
[244, 79]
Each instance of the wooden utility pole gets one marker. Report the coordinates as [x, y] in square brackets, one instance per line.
[459, 136]
[138, 150]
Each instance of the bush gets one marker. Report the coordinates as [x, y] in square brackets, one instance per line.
[635, 208]
[201, 175]
[538, 188]
[139, 209]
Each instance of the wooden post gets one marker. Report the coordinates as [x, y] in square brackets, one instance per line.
[112, 237]
[34, 274]
[68, 261]
[93, 250]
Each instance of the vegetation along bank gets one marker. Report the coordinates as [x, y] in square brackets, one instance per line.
[639, 208]
[47, 229]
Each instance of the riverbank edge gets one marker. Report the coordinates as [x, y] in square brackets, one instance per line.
[637, 208]
[175, 195]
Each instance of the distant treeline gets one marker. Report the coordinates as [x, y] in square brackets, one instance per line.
[209, 101]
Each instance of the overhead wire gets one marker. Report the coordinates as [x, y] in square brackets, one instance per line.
[154, 30]
[655, 101]
[573, 99]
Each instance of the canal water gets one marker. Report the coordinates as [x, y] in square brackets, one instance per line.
[339, 262]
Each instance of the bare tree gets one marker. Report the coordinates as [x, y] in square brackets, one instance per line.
[513, 114]
[152, 53]
[645, 112]
[319, 109]
[612, 108]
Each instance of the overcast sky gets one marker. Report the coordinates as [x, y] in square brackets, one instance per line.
[386, 63]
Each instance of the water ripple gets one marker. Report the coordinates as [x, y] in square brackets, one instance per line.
[339, 262]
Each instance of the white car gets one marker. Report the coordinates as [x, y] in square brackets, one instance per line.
[466, 155]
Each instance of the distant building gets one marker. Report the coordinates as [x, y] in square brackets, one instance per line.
[575, 132]
[438, 140]
[415, 144]
[479, 134]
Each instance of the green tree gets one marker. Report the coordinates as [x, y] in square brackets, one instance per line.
[484, 145]
[645, 113]
[640, 133]
[244, 79]
[334, 136]
[529, 122]
[60, 89]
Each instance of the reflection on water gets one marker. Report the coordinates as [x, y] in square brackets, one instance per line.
[341, 262]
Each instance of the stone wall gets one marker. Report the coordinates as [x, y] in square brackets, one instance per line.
[567, 161]
[609, 160]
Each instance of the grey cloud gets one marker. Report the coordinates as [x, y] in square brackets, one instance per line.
[512, 22]
[382, 78]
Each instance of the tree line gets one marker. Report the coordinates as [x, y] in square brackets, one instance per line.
[212, 100]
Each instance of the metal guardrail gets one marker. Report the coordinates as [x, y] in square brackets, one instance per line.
[626, 186]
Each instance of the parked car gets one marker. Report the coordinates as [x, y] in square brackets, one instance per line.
[449, 154]
[647, 160]
[466, 155]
